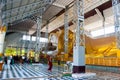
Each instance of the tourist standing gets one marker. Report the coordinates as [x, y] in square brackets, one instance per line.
[50, 63]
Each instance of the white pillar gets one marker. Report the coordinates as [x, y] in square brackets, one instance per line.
[2, 37]
[2, 30]
[116, 10]
[79, 59]
[79, 48]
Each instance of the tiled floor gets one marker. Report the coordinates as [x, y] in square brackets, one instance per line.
[33, 72]
[39, 72]
[27, 71]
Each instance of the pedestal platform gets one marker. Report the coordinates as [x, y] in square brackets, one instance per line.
[83, 75]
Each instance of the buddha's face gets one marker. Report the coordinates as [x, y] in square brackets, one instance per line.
[53, 39]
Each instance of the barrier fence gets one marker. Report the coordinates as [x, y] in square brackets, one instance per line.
[113, 61]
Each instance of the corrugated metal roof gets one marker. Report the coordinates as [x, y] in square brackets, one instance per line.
[20, 9]
[51, 12]
[17, 10]
[63, 2]
[21, 26]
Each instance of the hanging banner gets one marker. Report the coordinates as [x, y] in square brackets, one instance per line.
[2, 37]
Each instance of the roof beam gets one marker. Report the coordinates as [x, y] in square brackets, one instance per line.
[58, 5]
[21, 16]
[102, 7]
[28, 5]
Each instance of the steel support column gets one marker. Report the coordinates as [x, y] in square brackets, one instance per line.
[29, 45]
[26, 43]
[46, 36]
[66, 30]
[38, 35]
[22, 43]
[21, 46]
[1, 14]
[17, 48]
[116, 10]
[79, 48]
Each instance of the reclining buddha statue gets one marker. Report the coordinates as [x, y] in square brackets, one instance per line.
[50, 49]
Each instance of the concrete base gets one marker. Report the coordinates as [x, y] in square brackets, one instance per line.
[83, 75]
[67, 72]
[78, 69]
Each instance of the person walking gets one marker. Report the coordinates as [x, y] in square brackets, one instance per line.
[50, 63]
[5, 59]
